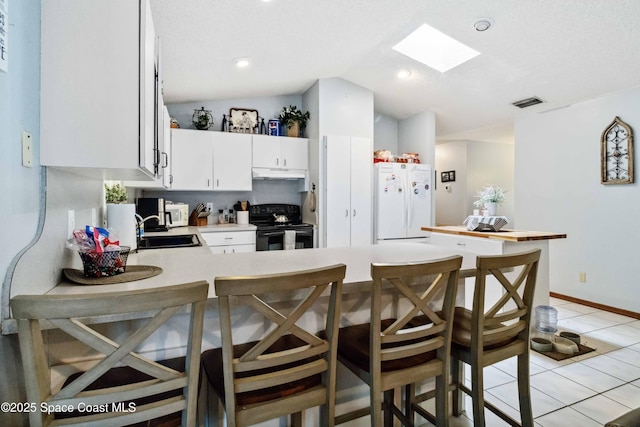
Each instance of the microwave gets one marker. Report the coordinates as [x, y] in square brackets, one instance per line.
[177, 215]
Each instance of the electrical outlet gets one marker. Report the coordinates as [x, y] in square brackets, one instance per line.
[71, 222]
[210, 207]
[583, 277]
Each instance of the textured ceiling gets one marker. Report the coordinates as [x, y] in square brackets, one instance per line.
[561, 51]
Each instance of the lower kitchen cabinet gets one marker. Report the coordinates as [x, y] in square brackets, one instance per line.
[230, 242]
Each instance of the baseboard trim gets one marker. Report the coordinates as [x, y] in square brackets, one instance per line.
[610, 309]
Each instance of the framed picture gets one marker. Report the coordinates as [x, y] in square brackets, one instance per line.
[242, 120]
[444, 176]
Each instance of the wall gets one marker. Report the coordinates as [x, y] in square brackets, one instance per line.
[19, 110]
[476, 164]
[557, 163]
[417, 134]
[385, 133]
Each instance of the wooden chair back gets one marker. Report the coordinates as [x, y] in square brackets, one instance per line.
[73, 314]
[510, 316]
[428, 291]
[259, 367]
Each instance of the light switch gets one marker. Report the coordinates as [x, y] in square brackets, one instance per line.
[27, 150]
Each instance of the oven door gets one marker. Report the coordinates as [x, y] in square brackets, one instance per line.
[304, 239]
[270, 240]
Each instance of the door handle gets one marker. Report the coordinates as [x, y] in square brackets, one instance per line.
[346, 213]
[166, 159]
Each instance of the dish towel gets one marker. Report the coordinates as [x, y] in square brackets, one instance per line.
[289, 239]
[485, 223]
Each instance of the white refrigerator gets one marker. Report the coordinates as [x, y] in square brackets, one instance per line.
[402, 201]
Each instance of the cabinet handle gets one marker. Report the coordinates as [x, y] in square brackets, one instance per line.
[346, 213]
[166, 160]
[228, 238]
[285, 162]
[354, 213]
[208, 183]
[461, 244]
[217, 183]
[277, 162]
[233, 250]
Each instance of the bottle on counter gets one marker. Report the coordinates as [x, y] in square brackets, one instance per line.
[232, 218]
[221, 217]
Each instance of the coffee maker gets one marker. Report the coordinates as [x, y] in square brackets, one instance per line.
[152, 206]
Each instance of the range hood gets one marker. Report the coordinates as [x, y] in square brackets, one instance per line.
[266, 173]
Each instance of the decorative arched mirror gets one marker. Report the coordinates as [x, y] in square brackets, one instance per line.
[617, 153]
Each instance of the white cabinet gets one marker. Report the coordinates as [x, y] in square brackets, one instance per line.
[348, 190]
[191, 160]
[204, 160]
[280, 152]
[230, 242]
[232, 161]
[99, 88]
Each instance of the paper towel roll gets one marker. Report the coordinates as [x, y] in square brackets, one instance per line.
[121, 221]
[243, 217]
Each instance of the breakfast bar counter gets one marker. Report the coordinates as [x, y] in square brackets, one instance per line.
[507, 235]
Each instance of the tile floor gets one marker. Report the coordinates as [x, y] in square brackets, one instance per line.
[583, 391]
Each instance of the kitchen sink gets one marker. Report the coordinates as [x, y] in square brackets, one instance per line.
[174, 241]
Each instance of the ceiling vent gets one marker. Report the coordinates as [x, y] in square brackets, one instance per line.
[524, 103]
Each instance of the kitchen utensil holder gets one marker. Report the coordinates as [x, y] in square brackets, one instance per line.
[195, 220]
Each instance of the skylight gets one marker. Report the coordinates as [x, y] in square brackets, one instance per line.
[435, 49]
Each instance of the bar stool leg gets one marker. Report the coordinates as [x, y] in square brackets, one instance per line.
[477, 395]
[388, 413]
[457, 377]
[526, 414]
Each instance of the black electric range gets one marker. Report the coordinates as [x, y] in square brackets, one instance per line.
[270, 235]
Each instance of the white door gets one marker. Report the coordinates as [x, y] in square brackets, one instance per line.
[191, 159]
[391, 218]
[419, 199]
[338, 191]
[361, 192]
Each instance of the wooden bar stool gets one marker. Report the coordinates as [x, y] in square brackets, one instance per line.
[488, 334]
[406, 349]
[289, 368]
[167, 394]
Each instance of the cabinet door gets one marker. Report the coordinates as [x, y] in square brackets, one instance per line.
[148, 91]
[361, 191]
[266, 151]
[191, 159]
[338, 191]
[232, 162]
[294, 153]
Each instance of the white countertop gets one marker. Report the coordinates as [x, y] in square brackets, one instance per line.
[226, 227]
[183, 265]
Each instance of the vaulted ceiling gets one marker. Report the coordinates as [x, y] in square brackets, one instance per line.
[561, 51]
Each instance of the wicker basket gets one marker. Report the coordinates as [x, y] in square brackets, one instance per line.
[104, 264]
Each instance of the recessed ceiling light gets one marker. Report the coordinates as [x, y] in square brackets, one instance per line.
[242, 62]
[435, 49]
[483, 24]
[404, 73]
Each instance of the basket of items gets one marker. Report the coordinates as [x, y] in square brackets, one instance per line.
[101, 257]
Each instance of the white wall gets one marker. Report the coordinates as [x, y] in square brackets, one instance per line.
[476, 164]
[385, 133]
[19, 110]
[417, 134]
[558, 181]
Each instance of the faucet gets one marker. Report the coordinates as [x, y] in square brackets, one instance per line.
[140, 227]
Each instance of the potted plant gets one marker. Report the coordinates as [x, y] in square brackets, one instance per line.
[490, 197]
[294, 119]
[115, 193]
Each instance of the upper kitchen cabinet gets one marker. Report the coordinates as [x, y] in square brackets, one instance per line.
[280, 152]
[204, 160]
[232, 162]
[99, 88]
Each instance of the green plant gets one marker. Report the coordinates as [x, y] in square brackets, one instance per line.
[291, 114]
[115, 193]
[490, 194]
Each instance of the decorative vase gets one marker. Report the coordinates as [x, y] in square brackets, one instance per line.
[491, 208]
[294, 130]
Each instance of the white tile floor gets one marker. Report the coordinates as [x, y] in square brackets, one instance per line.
[583, 391]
